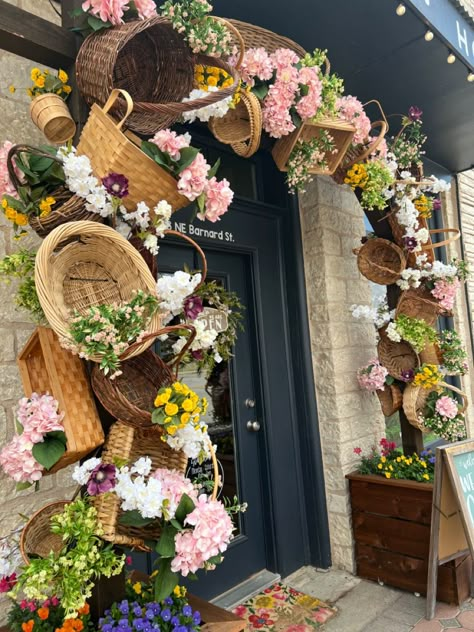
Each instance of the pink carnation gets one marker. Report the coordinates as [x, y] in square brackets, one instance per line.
[256, 63]
[211, 533]
[447, 407]
[39, 415]
[145, 8]
[108, 10]
[173, 486]
[445, 292]
[18, 462]
[308, 105]
[219, 196]
[372, 377]
[170, 142]
[352, 111]
[6, 186]
[193, 180]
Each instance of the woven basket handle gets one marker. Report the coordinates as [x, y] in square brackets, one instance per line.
[444, 242]
[114, 95]
[459, 392]
[18, 149]
[198, 248]
[216, 471]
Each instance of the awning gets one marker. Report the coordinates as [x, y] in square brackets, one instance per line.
[383, 56]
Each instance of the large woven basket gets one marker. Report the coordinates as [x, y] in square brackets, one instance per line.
[257, 37]
[68, 207]
[381, 261]
[45, 367]
[111, 151]
[396, 357]
[418, 303]
[241, 127]
[36, 537]
[130, 396]
[390, 399]
[151, 61]
[81, 265]
[414, 401]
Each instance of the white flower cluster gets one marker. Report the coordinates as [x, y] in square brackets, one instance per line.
[407, 216]
[437, 186]
[138, 492]
[173, 290]
[152, 225]
[205, 338]
[81, 473]
[379, 315]
[218, 110]
[10, 557]
[413, 277]
[392, 333]
[194, 442]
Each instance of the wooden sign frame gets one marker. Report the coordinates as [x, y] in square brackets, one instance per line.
[451, 534]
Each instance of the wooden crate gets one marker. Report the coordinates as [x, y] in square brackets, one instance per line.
[45, 367]
[391, 524]
[341, 131]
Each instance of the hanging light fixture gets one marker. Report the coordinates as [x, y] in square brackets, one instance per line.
[429, 35]
[451, 58]
[401, 9]
[470, 77]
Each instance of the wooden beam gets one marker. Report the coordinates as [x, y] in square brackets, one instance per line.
[27, 35]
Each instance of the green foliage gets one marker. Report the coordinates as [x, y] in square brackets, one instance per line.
[393, 464]
[21, 265]
[453, 353]
[332, 85]
[50, 450]
[415, 331]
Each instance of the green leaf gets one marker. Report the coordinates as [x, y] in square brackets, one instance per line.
[158, 416]
[166, 546]
[296, 118]
[135, 519]
[389, 380]
[165, 581]
[304, 89]
[187, 155]
[48, 452]
[19, 427]
[260, 91]
[57, 434]
[201, 202]
[213, 170]
[96, 24]
[217, 559]
[185, 507]
[178, 526]
[21, 486]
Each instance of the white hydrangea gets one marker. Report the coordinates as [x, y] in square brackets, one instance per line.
[194, 442]
[81, 473]
[136, 493]
[407, 215]
[151, 244]
[438, 186]
[142, 466]
[205, 338]
[379, 315]
[392, 333]
[410, 277]
[217, 110]
[173, 290]
[140, 216]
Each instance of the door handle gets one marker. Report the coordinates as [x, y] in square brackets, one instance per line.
[253, 426]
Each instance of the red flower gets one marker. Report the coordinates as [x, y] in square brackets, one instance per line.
[258, 621]
[357, 451]
[7, 582]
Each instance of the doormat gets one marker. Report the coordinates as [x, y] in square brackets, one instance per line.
[283, 609]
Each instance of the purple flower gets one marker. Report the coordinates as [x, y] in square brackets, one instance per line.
[123, 607]
[437, 204]
[138, 624]
[102, 479]
[193, 307]
[137, 611]
[407, 375]
[197, 617]
[174, 620]
[116, 184]
[150, 614]
[432, 459]
[410, 243]
[414, 113]
[155, 607]
[166, 614]
[187, 610]
[198, 355]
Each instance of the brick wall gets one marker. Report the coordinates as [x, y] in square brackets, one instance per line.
[332, 224]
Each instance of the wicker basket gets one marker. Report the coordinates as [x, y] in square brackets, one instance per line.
[241, 128]
[68, 207]
[111, 151]
[381, 261]
[396, 357]
[390, 399]
[81, 265]
[45, 367]
[36, 537]
[151, 61]
[51, 115]
[414, 401]
[258, 37]
[130, 396]
[418, 303]
[431, 354]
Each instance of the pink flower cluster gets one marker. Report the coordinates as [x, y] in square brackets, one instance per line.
[193, 179]
[256, 64]
[38, 416]
[6, 186]
[170, 142]
[173, 485]
[145, 8]
[386, 446]
[107, 10]
[447, 407]
[308, 105]
[372, 377]
[445, 292]
[219, 196]
[352, 111]
[211, 533]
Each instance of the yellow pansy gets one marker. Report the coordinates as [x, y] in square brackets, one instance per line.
[383, 459]
[63, 76]
[171, 430]
[211, 81]
[426, 477]
[178, 387]
[35, 73]
[187, 405]
[137, 587]
[185, 417]
[388, 475]
[39, 83]
[21, 219]
[10, 214]
[67, 89]
[171, 409]
[380, 466]
[4, 203]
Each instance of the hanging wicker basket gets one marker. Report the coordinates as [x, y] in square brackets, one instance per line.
[257, 37]
[381, 261]
[36, 538]
[153, 63]
[241, 127]
[414, 401]
[51, 115]
[431, 354]
[81, 265]
[147, 181]
[390, 399]
[67, 208]
[396, 357]
[418, 303]
[45, 367]
[125, 443]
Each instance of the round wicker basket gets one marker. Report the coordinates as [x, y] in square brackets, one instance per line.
[418, 303]
[381, 261]
[241, 128]
[36, 537]
[82, 264]
[51, 115]
[396, 357]
[390, 399]
[414, 401]
[257, 37]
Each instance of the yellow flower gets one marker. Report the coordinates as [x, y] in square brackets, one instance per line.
[39, 83]
[171, 430]
[388, 475]
[10, 214]
[171, 409]
[423, 463]
[426, 477]
[185, 417]
[227, 83]
[200, 79]
[29, 92]
[398, 459]
[67, 89]
[383, 459]
[62, 76]
[178, 387]
[163, 398]
[264, 602]
[179, 591]
[21, 219]
[50, 200]
[187, 405]
[4, 203]
[380, 466]
[199, 68]
[211, 81]
[390, 467]
[12, 89]
[35, 73]
[137, 587]
[45, 206]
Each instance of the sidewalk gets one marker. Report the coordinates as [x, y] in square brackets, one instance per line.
[365, 606]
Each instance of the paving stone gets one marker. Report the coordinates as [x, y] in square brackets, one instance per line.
[466, 619]
[329, 586]
[427, 626]
[445, 611]
[450, 623]
[387, 625]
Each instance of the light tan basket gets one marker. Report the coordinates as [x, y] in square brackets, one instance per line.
[83, 264]
[36, 537]
[390, 399]
[45, 367]
[241, 128]
[51, 115]
[414, 401]
[418, 303]
[127, 443]
[111, 151]
[257, 37]
[396, 357]
[381, 261]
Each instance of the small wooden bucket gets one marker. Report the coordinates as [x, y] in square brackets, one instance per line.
[51, 115]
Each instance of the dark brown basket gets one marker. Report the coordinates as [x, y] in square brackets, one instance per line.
[418, 303]
[36, 537]
[153, 63]
[68, 207]
[396, 357]
[381, 261]
[391, 399]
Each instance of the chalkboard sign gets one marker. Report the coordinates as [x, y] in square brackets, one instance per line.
[197, 471]
[460, 465]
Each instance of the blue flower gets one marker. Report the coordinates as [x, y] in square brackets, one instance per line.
[123, 622]
[107, 627]
[123, 607]
[166, 614]
[137, 611]
[197, 617]
[107, 612]
[168, 601]
[174, 621]
[149, 614]
[155, 607]
[432, 459]
[138, 624]
[187, 610]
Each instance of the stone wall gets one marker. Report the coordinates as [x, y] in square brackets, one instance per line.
[332, 225]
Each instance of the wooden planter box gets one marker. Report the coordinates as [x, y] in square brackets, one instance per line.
[391, 524]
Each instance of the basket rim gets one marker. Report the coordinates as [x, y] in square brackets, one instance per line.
[25, 529]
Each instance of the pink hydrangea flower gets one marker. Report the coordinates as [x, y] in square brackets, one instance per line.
[193, 180]
[219, 196]
[283, 57]
[256, 63]
[210, 536]
[173, 486]
[447, 407]
[39, 415]
[145, 8]
[308, 105]
[352, 110]
[18, 462]
[445, 292]
[6, 186]
[372, 377]
[107, 10]
[170, 142]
